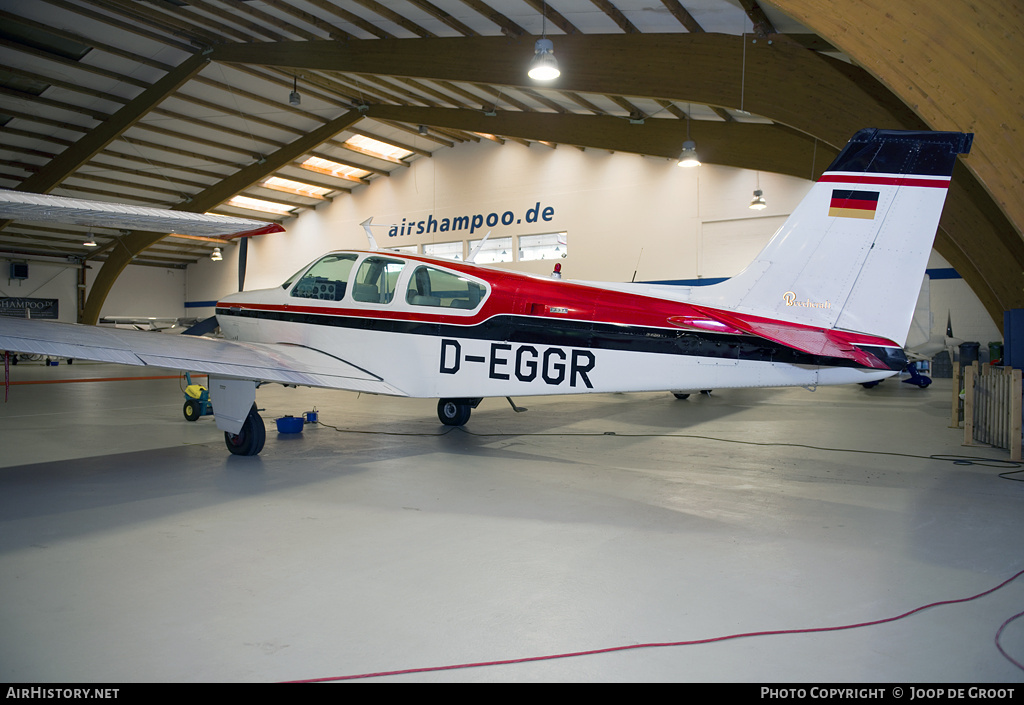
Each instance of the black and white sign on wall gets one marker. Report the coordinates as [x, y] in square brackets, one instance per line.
[23, 307]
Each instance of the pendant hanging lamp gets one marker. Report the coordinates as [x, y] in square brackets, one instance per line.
[543, 66]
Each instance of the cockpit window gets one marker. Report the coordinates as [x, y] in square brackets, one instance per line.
[326, 279]
[291, 280]
[375, 280]
[435, 287]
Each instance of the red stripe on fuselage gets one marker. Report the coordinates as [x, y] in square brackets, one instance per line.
[535, 297]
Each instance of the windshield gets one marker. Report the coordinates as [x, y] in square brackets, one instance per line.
[290, 280]
[326, 279]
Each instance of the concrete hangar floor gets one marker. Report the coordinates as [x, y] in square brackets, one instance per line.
[133, 547]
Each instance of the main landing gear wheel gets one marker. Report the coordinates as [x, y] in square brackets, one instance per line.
[192, 410]
[250, 439]
[453, 412]
[686, 395]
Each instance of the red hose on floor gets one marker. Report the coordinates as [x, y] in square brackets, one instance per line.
[693, 642]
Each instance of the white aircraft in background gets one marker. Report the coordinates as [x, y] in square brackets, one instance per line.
[152, 323]
[828, 301]
[923, 341]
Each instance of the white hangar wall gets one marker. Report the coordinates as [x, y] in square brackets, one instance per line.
[46, 280]
[145, 291]
[621, 212]
[952, 298]
[139, 291]
[624, 216]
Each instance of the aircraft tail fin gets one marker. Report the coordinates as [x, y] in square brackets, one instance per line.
[852, 255]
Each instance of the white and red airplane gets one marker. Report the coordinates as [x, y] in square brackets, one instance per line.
[828, 301]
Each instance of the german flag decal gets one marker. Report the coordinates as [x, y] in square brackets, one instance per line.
[853, 204]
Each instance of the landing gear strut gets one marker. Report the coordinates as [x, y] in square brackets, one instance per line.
[250, 439]
[916, 378]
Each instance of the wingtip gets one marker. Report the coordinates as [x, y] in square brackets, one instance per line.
[264, 230]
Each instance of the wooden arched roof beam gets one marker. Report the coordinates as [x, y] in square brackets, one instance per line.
[806, 91]
[750, 146]
[131, 245]
[783, 80]
[84, 149]
[956, 65]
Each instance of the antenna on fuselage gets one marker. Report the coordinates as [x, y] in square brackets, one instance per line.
[476, 250]
[367, 224]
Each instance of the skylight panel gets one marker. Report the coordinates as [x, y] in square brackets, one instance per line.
[255, 204]
[296, 188]
[376, 148]
[325, 166]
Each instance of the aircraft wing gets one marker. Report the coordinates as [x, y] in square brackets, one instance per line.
[34, 207]
[277, 362]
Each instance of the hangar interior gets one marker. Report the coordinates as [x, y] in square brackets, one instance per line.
[136, 549]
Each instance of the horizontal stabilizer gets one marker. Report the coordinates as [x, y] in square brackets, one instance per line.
[207, 325]
[814, 341]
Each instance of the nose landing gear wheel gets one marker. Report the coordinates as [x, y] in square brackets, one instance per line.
[452, 412]
[250, 439]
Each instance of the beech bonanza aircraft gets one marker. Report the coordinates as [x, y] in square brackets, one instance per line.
[828, 301]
